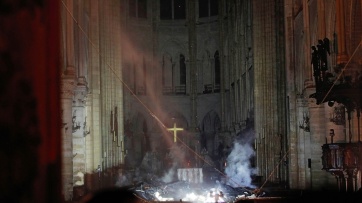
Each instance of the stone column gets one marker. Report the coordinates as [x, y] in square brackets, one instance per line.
[267, 89]
[157, 85]
[191, 19]
[117, 85]
[67, 88]
[259, 122]
[291, 136]
[110, 86]
[105, 85]
[342, 56]
[82, 43]
[191, 22]
[317, 139]
[79, 112]
[302, 150]
[79, 132]
[69, 37]
[307, 44]
[321, 19]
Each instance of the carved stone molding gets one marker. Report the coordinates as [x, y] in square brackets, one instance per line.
[67, 88]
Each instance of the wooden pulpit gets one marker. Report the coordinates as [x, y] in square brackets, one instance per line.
[343, 160]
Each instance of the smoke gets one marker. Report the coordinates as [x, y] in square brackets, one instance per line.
[169, 175]
[176, 155]
[238, 169]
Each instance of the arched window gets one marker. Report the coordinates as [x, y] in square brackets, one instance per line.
[179, 9]
[172, 9]
[208, 8]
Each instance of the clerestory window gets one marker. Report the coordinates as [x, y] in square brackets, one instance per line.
[172, 9]
[208, 8]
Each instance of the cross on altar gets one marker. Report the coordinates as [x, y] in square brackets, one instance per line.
[175, 129]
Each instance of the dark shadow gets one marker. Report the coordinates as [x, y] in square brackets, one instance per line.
[110, 195]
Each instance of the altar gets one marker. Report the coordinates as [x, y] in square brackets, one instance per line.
[190, 175]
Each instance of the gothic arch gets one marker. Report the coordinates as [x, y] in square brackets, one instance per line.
[173, 46]
[137, 141]
[174, 71]
[209, 128]
[174, 66]
[209, 44]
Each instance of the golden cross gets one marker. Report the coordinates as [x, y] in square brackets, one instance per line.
[174, 129]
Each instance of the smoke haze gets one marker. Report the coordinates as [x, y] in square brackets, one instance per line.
[238, 169]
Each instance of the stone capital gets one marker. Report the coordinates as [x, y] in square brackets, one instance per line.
[67, 88]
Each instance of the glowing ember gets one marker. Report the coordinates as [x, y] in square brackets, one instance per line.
[191, 192]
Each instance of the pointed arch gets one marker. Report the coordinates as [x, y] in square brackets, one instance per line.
[209, 128]
[137, 141]
[174, 67]
[182, 70]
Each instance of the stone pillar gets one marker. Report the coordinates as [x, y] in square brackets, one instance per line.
[67, 88]
[291, 136]
[79, 131]
[111, 88]
[191, 22]
[93, 141]
[307, 44]
[267, 89]
[79, 112]
[342, 56]
[191, 19]
[258, 94]
[317, 139]
[105, 85]
[321, 20]
[69, 37]
[118, 85]
[82, 43]
[157, 85]
[302, 151]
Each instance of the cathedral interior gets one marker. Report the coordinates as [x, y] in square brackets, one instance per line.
[180, 100]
